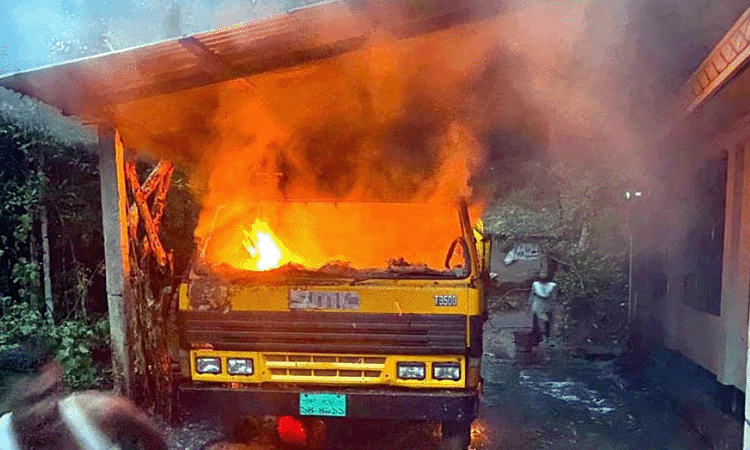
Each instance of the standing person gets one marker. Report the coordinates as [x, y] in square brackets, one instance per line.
[542, 298]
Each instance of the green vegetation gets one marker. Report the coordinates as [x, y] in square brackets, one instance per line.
[51, 259]
[25, 332]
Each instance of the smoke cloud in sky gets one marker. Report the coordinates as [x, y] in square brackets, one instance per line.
[583, 81]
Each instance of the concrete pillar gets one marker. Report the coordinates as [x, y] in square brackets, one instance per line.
[114, 223]
[736, 278]
[734, 285]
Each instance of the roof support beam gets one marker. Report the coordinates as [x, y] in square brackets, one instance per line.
[273, 62]
[210, 61]
[729, 55]
[325, 30]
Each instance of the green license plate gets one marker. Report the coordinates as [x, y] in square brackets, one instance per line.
[322, 404]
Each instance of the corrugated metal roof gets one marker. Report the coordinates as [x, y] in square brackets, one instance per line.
[87, 87]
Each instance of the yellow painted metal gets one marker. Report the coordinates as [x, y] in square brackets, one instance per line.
[328, 369]
[376, 296]
[184, 299]
[484, 246]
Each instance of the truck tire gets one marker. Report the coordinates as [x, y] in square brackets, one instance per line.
[175, 414]
[455, 436]
[240, 429]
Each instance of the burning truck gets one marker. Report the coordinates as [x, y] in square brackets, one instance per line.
[366, 305]
[334, 276]
[298, 315]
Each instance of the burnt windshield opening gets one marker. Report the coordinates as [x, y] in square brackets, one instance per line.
[355, 241]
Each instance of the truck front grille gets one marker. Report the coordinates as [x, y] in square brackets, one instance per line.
[327, 332]
[302, 368]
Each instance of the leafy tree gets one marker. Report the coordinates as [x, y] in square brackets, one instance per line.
[21, 184]
[45, 184]
[577, 214]
[27, 340]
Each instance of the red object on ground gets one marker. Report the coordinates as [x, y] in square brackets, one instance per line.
[291, 430]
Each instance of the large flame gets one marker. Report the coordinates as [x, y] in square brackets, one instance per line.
[313, 234]
[357, 158]
[400, 120]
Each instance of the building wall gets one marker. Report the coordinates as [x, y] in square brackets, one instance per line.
[736, 279]
[714, 338]
[695, 334]
[702, 313]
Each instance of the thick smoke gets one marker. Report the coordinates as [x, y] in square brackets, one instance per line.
[468, 111]
[384, 123]
[454, 113]
[399, 121]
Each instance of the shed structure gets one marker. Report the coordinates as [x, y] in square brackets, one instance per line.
[127, 94]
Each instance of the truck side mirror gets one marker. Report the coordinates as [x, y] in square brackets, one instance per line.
[464, 250]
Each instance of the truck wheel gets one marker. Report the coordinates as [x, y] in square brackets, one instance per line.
[455, 436]
[241, 428]
[177, 379]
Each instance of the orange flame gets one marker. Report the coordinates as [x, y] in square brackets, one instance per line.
[313, 234]
[265, 250]
[356, 160]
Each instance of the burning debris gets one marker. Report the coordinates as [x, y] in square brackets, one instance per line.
[343, 268]
[327, 238]
[400, 264]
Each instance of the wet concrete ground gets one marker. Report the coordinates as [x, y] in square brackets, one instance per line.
[584, 405]
[579, 405]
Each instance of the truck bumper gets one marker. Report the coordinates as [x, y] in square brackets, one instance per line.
[438, 405]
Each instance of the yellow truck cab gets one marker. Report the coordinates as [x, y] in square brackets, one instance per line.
[402, 342]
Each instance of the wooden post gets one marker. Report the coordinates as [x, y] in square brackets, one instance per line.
[46, 270]
[114, 223]
[151, 284]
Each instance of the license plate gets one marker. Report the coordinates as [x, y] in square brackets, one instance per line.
[322, 404]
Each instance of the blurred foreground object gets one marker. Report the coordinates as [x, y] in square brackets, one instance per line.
[43, 417]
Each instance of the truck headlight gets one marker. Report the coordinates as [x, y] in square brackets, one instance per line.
[446, 371]
[411, 370]
[208, 365]
[240, 366]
